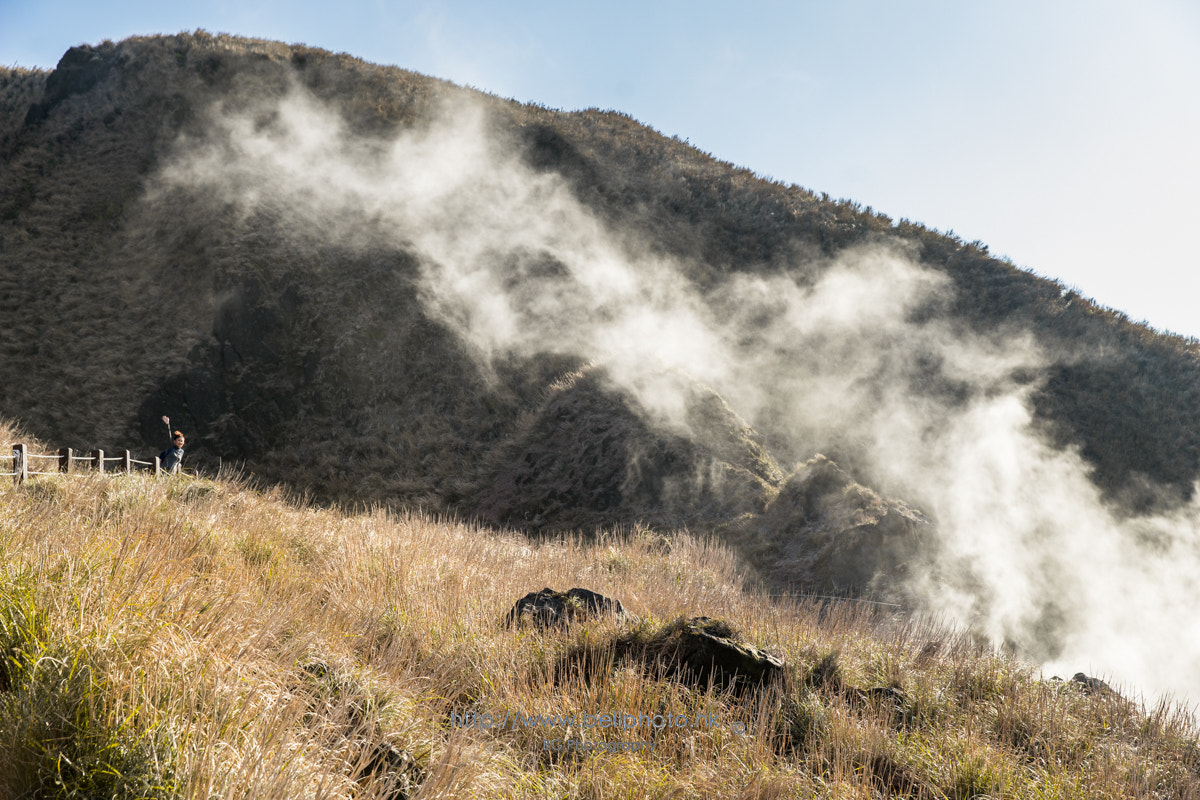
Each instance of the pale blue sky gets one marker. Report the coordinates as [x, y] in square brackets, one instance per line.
[1065, 135]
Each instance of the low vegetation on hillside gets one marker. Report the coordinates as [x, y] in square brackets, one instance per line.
[195, 637]
[313, 361]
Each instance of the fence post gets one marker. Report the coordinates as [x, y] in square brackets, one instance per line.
[157, 466]
[20, 464]
[98, 460]
[126, 462]
[64, 459]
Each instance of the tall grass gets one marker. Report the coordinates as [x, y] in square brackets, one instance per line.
[204, 638]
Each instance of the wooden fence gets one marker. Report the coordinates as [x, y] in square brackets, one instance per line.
[65, 460]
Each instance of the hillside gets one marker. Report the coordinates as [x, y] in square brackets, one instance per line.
[186, 637]
[372, 287]
[288, 330]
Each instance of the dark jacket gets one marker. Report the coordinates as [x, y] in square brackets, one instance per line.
[171, 458]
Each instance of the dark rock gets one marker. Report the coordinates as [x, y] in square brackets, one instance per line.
[1090, 685]
[831, 533]
[703, 649]
[78, 70]
[548, 608]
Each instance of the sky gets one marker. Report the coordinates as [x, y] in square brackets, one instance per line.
[1063, 135]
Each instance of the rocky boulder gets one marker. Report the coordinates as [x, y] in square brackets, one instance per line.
[1089, 684]
[826, 531]
[78, 71]
[548, 608]
[701, 649]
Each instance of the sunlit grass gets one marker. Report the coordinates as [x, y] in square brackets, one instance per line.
[204, 638]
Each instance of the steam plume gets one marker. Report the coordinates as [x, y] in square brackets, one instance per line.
[821, 355]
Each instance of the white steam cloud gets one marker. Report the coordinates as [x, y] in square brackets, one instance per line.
[518, 266]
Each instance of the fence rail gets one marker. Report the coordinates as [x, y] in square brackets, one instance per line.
[65, 459]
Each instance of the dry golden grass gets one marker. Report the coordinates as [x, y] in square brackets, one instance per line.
[203, 638]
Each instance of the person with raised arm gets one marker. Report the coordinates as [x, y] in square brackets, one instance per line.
[172, 458]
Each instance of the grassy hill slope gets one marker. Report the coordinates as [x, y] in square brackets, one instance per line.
[203, 638]
[303, 344]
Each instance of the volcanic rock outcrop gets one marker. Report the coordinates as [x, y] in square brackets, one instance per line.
[825, 530]
[593, 455]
